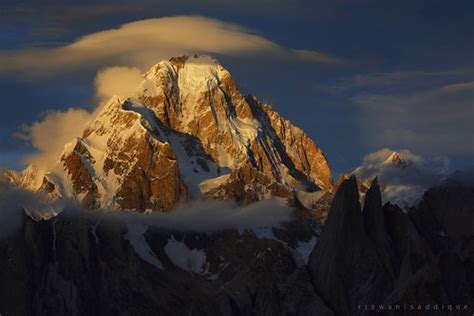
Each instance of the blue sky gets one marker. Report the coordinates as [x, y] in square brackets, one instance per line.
[405, 79]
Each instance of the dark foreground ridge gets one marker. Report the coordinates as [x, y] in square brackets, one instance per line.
[384, 256]
[76, 265]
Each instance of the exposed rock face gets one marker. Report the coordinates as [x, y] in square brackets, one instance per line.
[374, 224]
[384, 256]
[78, 264]
[345, 267]
[198, 96]
[186, 132]
[450, 208]
[120, 162]
[80, 176]
[298, 296]
[247, 185]
[444, 219]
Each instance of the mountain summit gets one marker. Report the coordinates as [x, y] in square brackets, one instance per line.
[395, 159]
[187, 132]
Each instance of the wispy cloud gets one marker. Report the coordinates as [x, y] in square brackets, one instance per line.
[431, 112]
[199, 215]
[456, 87]
[208, 215]
[12, 202]
[143, 43]
[397, 81]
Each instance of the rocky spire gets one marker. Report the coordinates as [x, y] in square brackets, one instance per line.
[374, 224]
[345, 267]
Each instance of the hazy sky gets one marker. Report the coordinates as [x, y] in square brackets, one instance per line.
[358, 76]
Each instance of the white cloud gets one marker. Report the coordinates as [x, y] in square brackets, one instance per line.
[119, 81]
[212, 215]
[198, 216]
[143, 43]
[49, 135]
[14, 199]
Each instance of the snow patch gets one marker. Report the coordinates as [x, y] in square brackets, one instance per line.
[403, 195]
[309, 199]
[303, 250]
[207, 185]
[262, 233]
[191, 171]
[135, 235]
[300, 253]
[191, 260]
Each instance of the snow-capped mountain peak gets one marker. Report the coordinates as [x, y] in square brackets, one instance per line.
[403, 177]
[187, 132]
[395, 159]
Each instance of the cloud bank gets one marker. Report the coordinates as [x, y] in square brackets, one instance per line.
[143, 43]
[210, 216]
[198, 216]
[12, 202]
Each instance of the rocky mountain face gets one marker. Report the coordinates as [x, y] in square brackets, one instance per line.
[346, 258]
[86, 263]
[186, 132]
[382, 255]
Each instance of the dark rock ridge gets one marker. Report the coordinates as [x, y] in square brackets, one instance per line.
[382, 255]
[86, 264]
[83, 264]
[345, 267]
